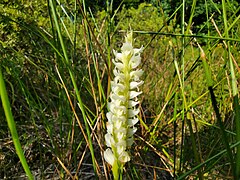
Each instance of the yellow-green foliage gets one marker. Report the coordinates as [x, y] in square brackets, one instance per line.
[14, 15]
[145, 18]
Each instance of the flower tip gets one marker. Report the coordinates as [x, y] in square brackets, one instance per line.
[129, 36]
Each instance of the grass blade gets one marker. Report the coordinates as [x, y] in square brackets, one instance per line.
[12, 126]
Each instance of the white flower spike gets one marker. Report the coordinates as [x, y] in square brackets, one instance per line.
[122, 115]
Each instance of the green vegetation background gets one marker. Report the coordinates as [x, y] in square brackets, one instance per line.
[178, 128]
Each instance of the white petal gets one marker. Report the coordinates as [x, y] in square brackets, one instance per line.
[134, 94]
[116, 118]
[137, 51]
[115, 97]
[112, 107]
[135, 61]
[133, 112]
[116, 89]
[120, 66]
[118, 124]
[121, 146]
[109, 116]
[126, 56]
[127, 47]
[119, 111]
[135, 75]
[129, 142]
[109, 128]
[131, 131]
[132, 103]
[124, 157]
[109, 140]
[135, 84]
[117, 102]
[118, 75]
[120, 134]
[119, 85]
[132, 122]
[109, 157]
[117, 55]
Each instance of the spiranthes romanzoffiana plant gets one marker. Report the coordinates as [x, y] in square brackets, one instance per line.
[123, 110]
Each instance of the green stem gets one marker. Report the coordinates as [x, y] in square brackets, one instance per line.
[237, 119]
[187, 35]
[12, 126]
[115, 170]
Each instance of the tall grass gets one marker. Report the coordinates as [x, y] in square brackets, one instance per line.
[58, 88]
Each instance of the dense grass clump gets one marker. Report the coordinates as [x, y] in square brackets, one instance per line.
[56, 72]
